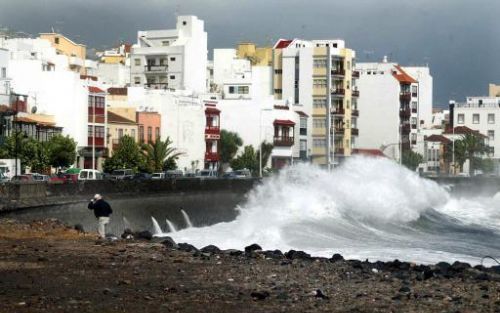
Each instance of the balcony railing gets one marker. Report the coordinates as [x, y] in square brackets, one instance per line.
[404, 113]
[355, 93]
[405, 96]
[155, 68]
[339, 131]
[338, 72]
[338, 91]
[99, 141]
[413, 142]
[283, 141]
[405, 128]
[338, 111]
[157, 85]
[413, 126]
[212, 156]
[413, 110]
[355, 112]
[212, 129]
[355, 74]
[354, 132]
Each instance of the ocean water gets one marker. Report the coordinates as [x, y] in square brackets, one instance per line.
[369, 208]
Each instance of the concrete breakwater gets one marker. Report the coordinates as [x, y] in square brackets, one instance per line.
[206, 202]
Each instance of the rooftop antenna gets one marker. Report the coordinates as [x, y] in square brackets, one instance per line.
[52, 28]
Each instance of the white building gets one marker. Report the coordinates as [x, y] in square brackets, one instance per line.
[481, 114]
[171, 59]
[113, 74]
[394, 107]
[4, 77]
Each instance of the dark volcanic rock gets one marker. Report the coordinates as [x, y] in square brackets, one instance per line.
[356, 264]
[460, 266]
[168, 242]
[483, 277]
[274, 254]
[297, 255]
[337, 257]
[127, 234]
[233, 252]
[145, 234]
[252, 248]
[210, 249]
[186, 247]
[260, 295]
[320, 294]
[79, 228]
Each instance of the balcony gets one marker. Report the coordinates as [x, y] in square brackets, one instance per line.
[281, 141]
[414, 110]
[338, 111]
[405, 96]
[339, 131]
[99, 142]
[157, 86]
[212, 130]
[338, 92]
[413, 126]
[212, 156]
[413, 142]
[355, 93]
[155, 68]
[405, 128]
[355, 112]
[338, 72]
[354, 132]
[355, 74]
[404, 113]
[76, 61]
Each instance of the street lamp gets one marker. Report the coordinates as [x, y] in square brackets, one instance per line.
[260, 141]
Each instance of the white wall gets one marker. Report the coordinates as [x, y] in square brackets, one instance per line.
[378, 104]
[425, 92]
[4, 81]
[113, 75]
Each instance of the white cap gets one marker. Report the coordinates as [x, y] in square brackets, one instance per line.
[97, 196]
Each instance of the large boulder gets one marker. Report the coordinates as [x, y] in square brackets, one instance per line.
[145, 234]
[297, 255]
[169, 243]
[210, 249]
[252, 248]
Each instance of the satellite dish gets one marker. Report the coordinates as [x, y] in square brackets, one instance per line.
[34, 109]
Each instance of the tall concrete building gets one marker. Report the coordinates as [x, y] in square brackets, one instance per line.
[318, 77]
[173, 59]
[396, 104]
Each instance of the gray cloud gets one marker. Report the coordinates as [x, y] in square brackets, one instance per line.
[459, 39]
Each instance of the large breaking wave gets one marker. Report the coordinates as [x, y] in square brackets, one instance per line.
[367, 208]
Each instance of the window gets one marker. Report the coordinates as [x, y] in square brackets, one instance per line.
[414, 90]
[172, 59]
[319, 143]
[319, 63]
[56, 40]
[231, 89]
[157, 133]
[172, 76]
[99, 102]
[414, 105]
[491, 136]
[347, 104]
[137, 80]
[243, 90]
[319, 83]
[491, 118]
[90, 132]
[475, 118]
[165, 43]
[150, 134]
[319, 103]
[460, 119]
[99, 131]
[319, 123]
[303, 126]
[184, 23]
[137, 62]
[120, 133]
[4, 72]
[163, 61]
[303, 145]
[141, 134]
[278, 71]
[278, 91]
[132, 133]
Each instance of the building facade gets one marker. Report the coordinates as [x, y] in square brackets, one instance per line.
[494, 90]
[318, 78]
[171, 59]
[75, 52]
[119, 126]
[149, 126]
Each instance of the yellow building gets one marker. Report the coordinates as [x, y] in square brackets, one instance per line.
[494, 90]
[115, 56]
[75, 52]
[258, 56]
[319, 76]
[119, 126]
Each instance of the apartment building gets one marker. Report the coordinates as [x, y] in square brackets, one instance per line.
[317, 77]
[171, 59]
[395, 107]
[4, 78]
[75, 52]
[94, 153]
[260, 56]
[149, 125]
[494, 90]
[113, 68]
[481, 114]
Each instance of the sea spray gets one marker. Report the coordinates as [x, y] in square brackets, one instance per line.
[171, 226]
[367, 208]
[156, 227]
[186, 219]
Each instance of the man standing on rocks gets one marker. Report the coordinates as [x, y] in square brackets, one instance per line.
[102, 211]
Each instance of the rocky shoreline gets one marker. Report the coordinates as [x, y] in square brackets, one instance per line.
[46, 266]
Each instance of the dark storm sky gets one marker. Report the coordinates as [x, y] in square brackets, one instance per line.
[459, 39]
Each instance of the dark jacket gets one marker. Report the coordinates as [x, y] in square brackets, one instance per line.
[101, 208]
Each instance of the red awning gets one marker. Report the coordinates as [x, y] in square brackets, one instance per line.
[93, 89]
[302, 114]
[284, 122]
[212, 110]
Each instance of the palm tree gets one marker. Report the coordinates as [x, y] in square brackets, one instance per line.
[160, 155]
[470, 147]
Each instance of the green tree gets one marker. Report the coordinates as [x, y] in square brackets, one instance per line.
[247, 159]
[487, 165]
[230, 142]
[160, 155]
[412, 159]
[471, 147]
[62, 151]
[126, 156]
